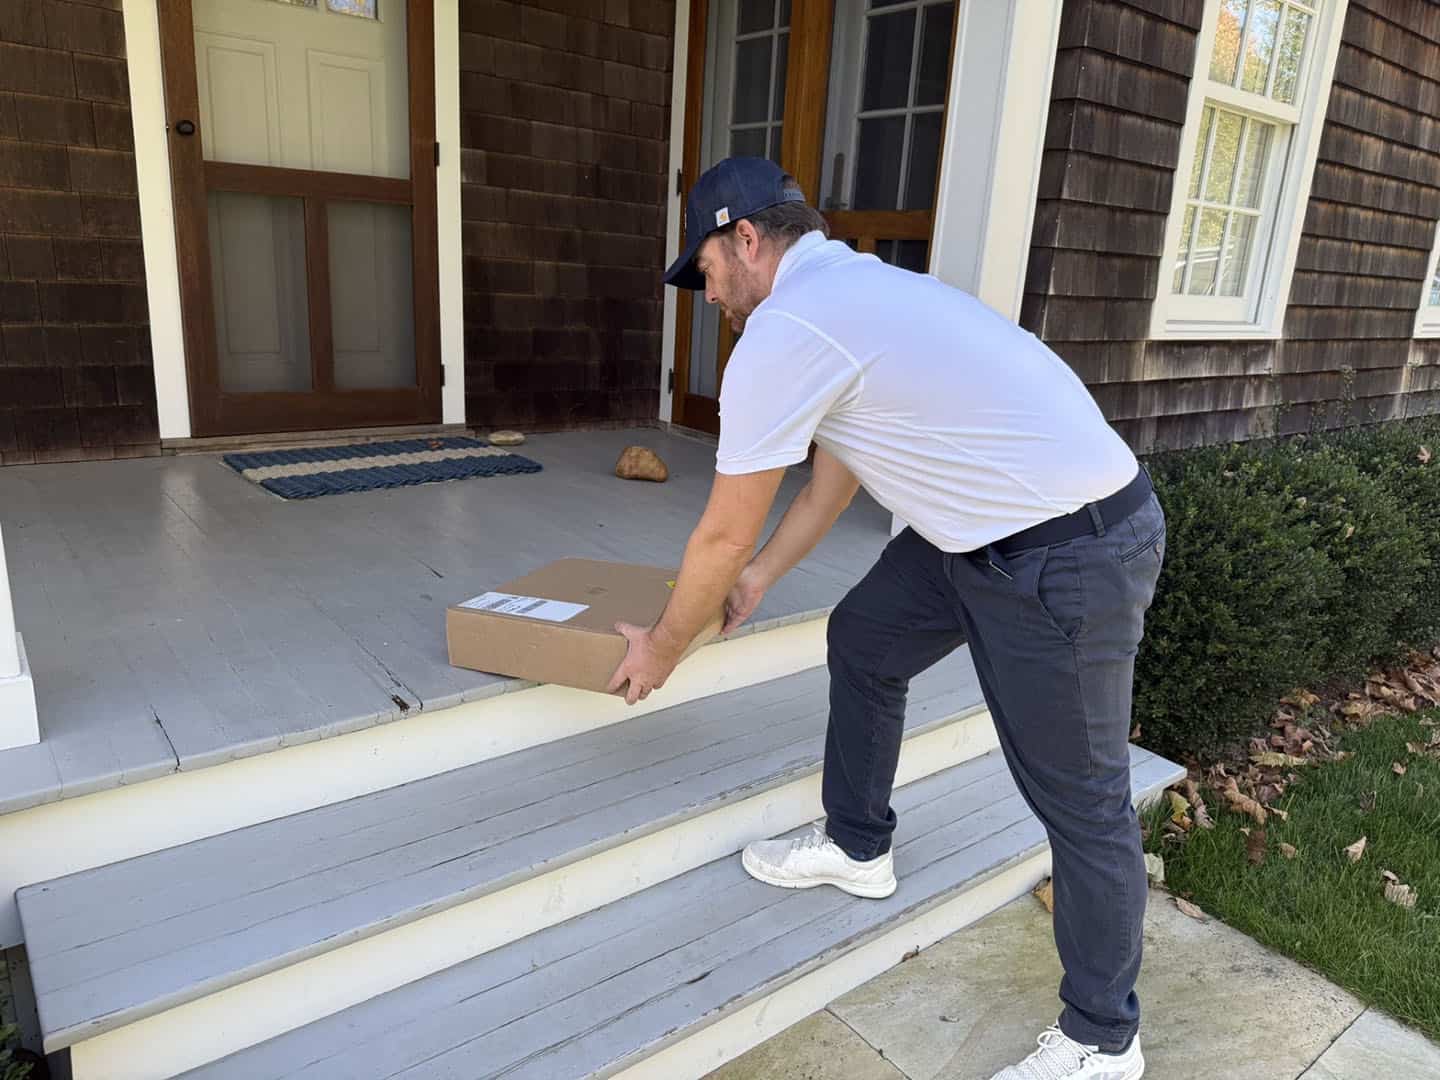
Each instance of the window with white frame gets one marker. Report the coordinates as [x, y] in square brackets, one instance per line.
[1257, 102]
[1427, 319]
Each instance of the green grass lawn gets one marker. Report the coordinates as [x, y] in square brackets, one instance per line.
[1320, 908]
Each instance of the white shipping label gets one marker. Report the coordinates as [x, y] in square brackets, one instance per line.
[532, 607]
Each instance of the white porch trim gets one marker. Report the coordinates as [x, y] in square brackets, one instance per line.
[19, 725]
[157, 213]
[999, 98]
[157, 216]
[447, 211]
[674, 208]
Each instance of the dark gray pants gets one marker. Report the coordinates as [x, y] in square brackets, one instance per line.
[1053, 632]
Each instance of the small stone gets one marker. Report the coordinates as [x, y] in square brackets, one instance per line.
[506, 438]
[640, 463]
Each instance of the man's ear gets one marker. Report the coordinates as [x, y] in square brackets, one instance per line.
[747, 239]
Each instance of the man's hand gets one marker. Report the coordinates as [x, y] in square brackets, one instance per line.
[744, 598]
[647, 664]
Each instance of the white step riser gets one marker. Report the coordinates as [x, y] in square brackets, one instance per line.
[705, 1050]
[737, 1032]
[77, 834]
[212, 1027]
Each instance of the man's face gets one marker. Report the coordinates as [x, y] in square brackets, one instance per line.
[734, 273]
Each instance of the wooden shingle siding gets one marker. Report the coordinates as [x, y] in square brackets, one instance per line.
[1119, 98]
[75, 368]
[564, 128]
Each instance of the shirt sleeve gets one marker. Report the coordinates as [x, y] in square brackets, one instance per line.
[782, 379]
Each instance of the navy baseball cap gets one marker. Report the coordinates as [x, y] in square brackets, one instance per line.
[735, 188]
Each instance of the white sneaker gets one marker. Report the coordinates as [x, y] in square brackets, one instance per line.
[1060, 1057]
[814, 860]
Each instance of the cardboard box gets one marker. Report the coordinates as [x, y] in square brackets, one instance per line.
[557, 625]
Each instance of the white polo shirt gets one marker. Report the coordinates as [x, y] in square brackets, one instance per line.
[959, 422]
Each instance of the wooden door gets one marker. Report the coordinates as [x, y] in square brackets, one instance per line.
[302, 151]
[849, 97]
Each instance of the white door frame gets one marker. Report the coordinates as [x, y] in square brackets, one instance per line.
[157, 213]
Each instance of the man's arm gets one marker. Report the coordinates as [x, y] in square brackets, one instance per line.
[811, 515]
[719, 548]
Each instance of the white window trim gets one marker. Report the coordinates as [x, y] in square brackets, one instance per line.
[1279, 254]
[1427, 317]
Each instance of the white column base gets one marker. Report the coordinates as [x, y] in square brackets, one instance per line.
[19, 723]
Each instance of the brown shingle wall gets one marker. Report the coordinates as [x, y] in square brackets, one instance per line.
[1112, 145]
[564, 123]
[75, 371]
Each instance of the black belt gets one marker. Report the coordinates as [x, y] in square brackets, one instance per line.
[1092, 519]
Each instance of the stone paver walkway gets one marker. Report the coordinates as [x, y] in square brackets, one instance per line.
[1217, 1005]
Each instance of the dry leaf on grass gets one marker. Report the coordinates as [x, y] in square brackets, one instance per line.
[1155, 869]
[1179, 806]
[1242, 803]
[1367, 801]
[1415, 747]
[1187, 908]
[1403, 895]
[1355, 850]
[1283, 815]
[1255, 847]
[1301, 699]
[1274, 760]
[1423, 456]
[1390, 876]
[1045, 893]
[1288, 850]
[1397, 768]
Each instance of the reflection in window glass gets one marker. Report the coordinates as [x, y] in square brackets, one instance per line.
[1292, 54]
[881, 148]
[1229, 29]
[1260, 44]
[366, 9]
[752, 81]
[889, 46]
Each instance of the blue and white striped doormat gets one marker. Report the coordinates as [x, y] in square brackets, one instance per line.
[332, 470]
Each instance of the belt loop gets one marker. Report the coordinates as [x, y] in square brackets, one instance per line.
[1096, 519]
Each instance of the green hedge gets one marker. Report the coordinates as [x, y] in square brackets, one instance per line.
[1287, 563]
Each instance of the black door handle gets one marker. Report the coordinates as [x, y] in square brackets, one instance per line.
[185, 127]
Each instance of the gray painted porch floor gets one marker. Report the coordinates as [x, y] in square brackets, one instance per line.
[178, 616]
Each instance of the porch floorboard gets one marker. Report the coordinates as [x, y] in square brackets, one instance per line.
[178, 616]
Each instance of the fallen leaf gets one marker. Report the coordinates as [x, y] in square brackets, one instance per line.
[1045, 893]
[1302, 699]
[949, 1019]
[1187, 908]
[1202, 817]
[1135, 733]
[1415, 747]
[1397, 768]
[1272, 759]
[1155, 869]
[1283, 815]
[1389, 876]
[1179, 806]
[1349, 532]
[1423, 456]
[1355, 850]
[1242, 803]
[1288, 850]
[1255, 847]
[911, 955]
[1403, 895]
[1367, 801]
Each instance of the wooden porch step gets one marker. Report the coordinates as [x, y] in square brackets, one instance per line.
[672, 981]
[125, 943]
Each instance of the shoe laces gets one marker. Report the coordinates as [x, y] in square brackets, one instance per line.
[814, 840]
[1057, 1057]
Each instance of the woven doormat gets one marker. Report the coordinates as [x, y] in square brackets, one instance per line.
[334, 470]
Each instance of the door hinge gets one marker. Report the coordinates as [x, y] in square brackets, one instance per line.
[442, 374]
[437, 155]
[670, 382]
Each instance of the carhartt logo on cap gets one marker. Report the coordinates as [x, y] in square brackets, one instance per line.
[722, 216]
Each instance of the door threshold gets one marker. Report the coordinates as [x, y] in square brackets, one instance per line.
[287, 439]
